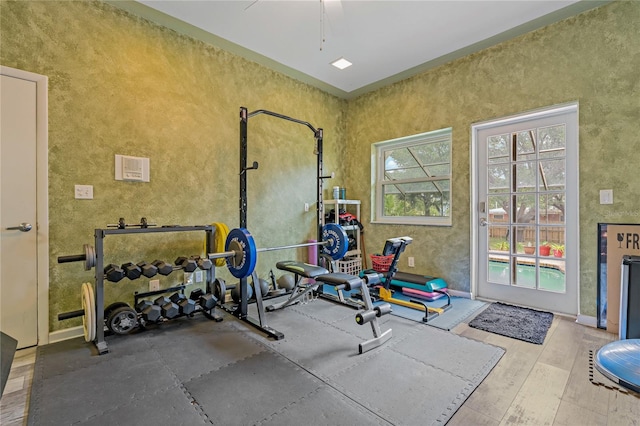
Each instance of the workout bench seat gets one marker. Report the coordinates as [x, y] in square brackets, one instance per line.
[301, 270]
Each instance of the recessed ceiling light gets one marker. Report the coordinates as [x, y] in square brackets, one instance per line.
[341, 63]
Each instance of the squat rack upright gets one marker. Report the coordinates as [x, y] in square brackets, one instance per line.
[242, 308]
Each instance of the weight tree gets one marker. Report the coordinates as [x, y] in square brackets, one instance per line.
[242, 308]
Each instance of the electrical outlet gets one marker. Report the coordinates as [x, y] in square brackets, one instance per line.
[84, 192]
[154, 285]
[306, 207]
[188, 278]
[411, 262]
[199, 276]
[606, 196]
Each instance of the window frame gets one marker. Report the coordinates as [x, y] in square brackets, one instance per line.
[378, 150]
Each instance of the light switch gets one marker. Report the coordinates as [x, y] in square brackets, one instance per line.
[606, 196]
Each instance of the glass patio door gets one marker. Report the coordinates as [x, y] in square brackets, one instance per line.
[527, 217]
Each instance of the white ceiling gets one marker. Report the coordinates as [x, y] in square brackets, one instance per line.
[385, 40]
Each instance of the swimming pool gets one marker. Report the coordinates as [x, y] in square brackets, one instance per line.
[551, 277]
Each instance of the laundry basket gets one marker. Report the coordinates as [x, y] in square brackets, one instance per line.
[381, 263]
[349, 265]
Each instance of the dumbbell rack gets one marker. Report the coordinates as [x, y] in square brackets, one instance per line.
[100, 235]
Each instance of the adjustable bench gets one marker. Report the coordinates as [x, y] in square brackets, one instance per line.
[301, 271]
[371, 313]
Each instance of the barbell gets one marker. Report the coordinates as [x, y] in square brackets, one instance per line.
[242, 255]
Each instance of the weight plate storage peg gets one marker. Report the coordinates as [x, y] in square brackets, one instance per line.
[88, 257]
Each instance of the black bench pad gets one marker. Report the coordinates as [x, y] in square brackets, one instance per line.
[340, 278]
[300, 268]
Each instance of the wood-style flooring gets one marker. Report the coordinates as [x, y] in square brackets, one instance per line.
[14, 405]
[531, 385]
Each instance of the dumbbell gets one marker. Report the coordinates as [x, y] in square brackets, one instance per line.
[204, 263]
[149, 311]
[186, 305]
[148, 270]
[113, 273]
[131, 270]
[168, 308]
[164, 268]
[188, 264]
[208, 301]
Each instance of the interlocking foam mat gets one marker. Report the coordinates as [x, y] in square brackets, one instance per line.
[195, 371]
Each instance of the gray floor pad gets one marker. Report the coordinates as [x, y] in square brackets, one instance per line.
[196, 371]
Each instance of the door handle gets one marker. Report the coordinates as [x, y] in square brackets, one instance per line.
[24, 227]
[483, 221]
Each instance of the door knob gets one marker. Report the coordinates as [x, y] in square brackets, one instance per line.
[24, 227]
[483, 221]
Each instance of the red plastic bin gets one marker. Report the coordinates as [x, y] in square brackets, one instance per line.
[381, 263]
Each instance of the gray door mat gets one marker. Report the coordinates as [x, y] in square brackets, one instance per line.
[196, 371]
[526, 324]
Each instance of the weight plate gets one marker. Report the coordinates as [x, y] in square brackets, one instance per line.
[220, 290]
[94, 315]
[122, 320]
[89, 317]
[244, 262]
[89, 257]
[337, 242]
[220, 237]
[112, 307]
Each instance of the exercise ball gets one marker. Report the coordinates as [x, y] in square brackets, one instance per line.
[235, 292]
[264, 286]
[286, 282]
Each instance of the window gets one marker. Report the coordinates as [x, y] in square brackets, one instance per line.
[412, 179]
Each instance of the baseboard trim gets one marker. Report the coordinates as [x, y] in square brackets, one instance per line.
[458, 293]
[66, 334]
[587, 320]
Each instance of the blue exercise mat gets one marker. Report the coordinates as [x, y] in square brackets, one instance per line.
[461, 309]
[620, 362]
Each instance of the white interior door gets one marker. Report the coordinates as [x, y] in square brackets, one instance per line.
[18, 240]
[526, 210]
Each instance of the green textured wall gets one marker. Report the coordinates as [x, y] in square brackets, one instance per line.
[593, 58]
[119, 84]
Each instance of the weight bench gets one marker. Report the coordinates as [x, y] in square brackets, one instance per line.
[301, 271]
[371, 313]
